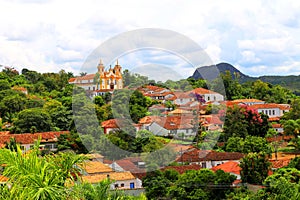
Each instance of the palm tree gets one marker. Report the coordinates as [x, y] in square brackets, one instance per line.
[292, 127]
[34, 177]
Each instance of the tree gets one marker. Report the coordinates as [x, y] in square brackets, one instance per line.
[4, 85]
[283, 184]
[255, 168]
[156, 184]
[242, 120]
[36, 177]
[249, 144]
[201, 184]
[34, 117]
[292, 127]
[294, 112]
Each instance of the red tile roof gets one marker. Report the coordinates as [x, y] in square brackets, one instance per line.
[270, 105]
[211, 119]
[175, 122]
[280, 163]
[86, 77]
[203, 91]
[29, 138]
[248, 100]
[276, 125]
[196, 155]
[230, 167]
[272, 119]
[71, 80]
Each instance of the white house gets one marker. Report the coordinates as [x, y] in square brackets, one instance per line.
[272, 109]
[208, 95]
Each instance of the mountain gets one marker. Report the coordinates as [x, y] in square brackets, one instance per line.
[210, 72]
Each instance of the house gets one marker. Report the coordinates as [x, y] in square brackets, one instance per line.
[117, 124]
[101, 82]
[176, 126]
[27, 140]
[278, 128]
[248, 102]
[272, 109]
[155, 92]
[95, 167]
[121, 180]
[95, 172]
[183, 98]
[133, 164]
[276, 164]
[231, 167]
[21, 89]
[211, 122]
[207, 95]
[180, 112]
[208, 158]
[146, 121]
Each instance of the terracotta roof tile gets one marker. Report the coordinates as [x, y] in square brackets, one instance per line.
[247, 100]
[196, 155]
[270, 105]
[230, 167]
[116, 176]
[276, 125]
[203, 91]
[29, 138]
[280, 163]
[86, 77]
[94, 167]
[3, 179]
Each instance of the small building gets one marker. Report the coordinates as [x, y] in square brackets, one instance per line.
[176, 126]
[121, 180]
[27, 140]
[272, 109]
[231, 167]
[248, 102]
[112, 125]
[207, 95]
[278, 128]
[208, 158]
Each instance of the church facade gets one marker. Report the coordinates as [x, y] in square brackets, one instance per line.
[101, 82]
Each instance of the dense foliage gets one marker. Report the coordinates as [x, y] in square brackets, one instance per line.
[193, 184]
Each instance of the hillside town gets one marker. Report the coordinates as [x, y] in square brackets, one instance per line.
[238, 142]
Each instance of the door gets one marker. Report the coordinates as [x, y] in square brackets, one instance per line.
[131, 185]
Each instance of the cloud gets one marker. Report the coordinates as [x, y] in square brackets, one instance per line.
[257, 37]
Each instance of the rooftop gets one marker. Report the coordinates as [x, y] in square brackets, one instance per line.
[116, 176]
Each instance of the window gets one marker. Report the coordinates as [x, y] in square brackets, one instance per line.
[122, 184]
[94, 88]
[269, 112]
[203, 165]
[273, 112]
[208, 98]
[116, 185]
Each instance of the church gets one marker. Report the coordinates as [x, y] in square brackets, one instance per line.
[101, 82]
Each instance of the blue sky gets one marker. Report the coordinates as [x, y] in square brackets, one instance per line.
[257, 37]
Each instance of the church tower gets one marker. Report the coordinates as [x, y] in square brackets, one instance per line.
[110, 79]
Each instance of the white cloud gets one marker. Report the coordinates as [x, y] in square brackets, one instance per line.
[253, 35]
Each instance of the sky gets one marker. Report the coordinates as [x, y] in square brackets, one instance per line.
[257, 37]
